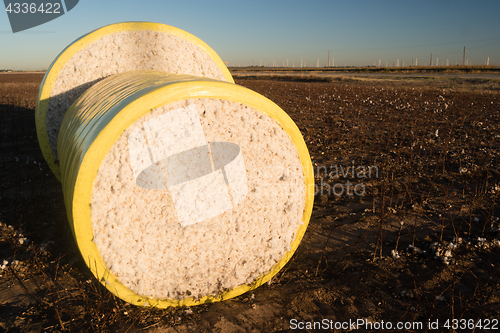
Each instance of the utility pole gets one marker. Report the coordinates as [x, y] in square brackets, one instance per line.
[463, 63]
[328, 58]
[430, 61]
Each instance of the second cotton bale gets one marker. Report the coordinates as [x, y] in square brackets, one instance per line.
[113, 49]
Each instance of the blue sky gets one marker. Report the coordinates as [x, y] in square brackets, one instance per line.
[356, 32]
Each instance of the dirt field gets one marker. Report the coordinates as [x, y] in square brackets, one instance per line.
[405, 228]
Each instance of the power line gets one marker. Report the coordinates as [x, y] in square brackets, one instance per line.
[470, 48]
[424, 45]
[318, 52]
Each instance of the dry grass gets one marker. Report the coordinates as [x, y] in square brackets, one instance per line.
[19, 90]
[451, 83]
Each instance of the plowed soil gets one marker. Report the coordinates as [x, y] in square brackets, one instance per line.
[404, 234]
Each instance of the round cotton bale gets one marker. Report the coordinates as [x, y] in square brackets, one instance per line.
[183, 190]
[110, 50]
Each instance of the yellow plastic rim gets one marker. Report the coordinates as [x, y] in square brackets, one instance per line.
[78, 181]
[70, 51]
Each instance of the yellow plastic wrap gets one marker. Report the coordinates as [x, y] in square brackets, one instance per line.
[96, 120]
[52, 76]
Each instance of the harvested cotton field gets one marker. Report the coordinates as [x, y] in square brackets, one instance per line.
[420, 244]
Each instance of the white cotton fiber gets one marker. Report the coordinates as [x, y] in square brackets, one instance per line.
[159, 249]
[121, 52]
